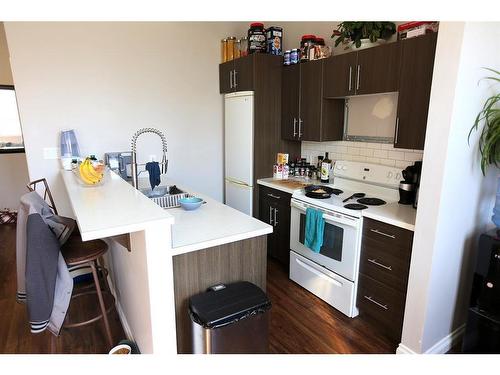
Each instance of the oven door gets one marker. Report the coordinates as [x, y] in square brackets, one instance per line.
[341, 240]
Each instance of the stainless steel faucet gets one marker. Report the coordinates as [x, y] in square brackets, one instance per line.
[164, 161]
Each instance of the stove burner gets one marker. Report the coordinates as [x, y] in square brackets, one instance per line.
[355, 206]
[337, 191]
[371, 201]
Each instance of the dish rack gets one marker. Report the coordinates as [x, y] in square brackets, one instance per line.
[171, 200]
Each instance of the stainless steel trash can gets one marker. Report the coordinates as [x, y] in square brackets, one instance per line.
[232, 318]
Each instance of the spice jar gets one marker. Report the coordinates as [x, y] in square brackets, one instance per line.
[256, 38]
[223, 50]
[230, 48]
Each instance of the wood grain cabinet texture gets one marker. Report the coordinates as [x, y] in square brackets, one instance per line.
[383, 279]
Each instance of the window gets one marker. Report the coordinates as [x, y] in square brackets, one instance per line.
[11, 137]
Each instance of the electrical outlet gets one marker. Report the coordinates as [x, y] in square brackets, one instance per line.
[50, 153]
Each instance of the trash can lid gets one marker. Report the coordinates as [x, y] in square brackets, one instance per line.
[227, 304]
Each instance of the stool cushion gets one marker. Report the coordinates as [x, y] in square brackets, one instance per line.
[76, 251]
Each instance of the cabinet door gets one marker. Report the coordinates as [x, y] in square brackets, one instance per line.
[377, 69]
[225, 77]
[417, 63]
[311, 79]
[243, 74]
[282, 230]
[266, 214]
[340, 73]
[290, 96]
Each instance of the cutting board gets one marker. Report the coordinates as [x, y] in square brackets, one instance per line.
[291, 184]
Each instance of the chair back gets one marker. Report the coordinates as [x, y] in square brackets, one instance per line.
[42, 187]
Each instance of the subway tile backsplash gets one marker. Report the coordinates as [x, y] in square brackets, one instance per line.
[376, 153]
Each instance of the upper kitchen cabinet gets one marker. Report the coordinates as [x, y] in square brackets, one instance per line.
[377, 70]
[370, 71]
[237, 75]
[305, 115]
[417, 63]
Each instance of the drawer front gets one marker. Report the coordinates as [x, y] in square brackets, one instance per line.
[276, 196]
[381, 304]
[382, 265]
[389, 238]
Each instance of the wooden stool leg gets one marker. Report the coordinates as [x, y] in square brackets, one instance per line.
[101, 303]
[53, 343]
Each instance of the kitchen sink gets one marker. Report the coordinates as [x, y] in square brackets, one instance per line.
[165, 196]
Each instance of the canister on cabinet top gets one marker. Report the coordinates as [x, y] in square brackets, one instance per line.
[256, 38]
[286, 58]
[294, 56]
[274, 40]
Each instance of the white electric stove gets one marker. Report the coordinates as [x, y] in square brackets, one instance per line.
[332, 273]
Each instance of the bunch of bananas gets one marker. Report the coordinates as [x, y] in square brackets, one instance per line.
[89, 174]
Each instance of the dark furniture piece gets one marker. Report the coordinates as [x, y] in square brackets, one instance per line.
[383, 278]
[482, 332]
[370, 71]
[261, 73]
[196, 271]
[80, 254]
[275, 211]
[305, 115]
[415, 80]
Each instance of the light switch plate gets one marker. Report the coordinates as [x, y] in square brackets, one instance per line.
[50, 153]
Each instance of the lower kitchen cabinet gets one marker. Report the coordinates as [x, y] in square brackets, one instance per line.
[275, 210]
[383, 279]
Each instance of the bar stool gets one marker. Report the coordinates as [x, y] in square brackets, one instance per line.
[80, 254]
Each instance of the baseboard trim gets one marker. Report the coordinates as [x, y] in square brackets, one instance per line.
[441, 347]
[121, 314]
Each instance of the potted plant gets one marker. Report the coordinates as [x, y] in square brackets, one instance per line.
[489, 140]
[363, 34]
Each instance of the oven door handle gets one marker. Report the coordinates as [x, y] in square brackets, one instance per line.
[341, 219]
[318, 273]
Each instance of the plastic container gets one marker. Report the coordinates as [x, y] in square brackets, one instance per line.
[230, 48]
[244, 46]
[286, 58]
[294, 56]
[223, 50]
[230, 318]
[274, 40]
[256, 38]
[306, 44]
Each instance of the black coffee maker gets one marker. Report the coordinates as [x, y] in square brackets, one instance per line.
[408, 189]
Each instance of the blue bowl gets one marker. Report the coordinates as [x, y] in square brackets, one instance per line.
[190, 203]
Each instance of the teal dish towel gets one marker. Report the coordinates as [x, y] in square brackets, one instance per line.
[315, 226]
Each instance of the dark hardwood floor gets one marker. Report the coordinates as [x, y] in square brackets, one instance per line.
[302, 323]
[15, 336]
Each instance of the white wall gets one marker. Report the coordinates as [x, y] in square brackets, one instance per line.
[455, 200]
[13, 180]
[106, 80]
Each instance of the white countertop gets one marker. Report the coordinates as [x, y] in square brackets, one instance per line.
[400, 215]
[212, 224]
[112, 208]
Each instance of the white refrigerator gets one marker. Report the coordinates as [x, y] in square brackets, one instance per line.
[238, 150]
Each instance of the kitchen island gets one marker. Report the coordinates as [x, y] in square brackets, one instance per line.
[167, 256]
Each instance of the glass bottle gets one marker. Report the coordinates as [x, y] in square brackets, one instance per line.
[223, 50]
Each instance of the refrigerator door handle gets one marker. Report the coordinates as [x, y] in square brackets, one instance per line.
[236, 182]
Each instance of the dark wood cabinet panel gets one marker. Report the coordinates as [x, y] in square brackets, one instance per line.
[340, 74]
[243, 76]
[383, 305]
[290, 102]
[377, 70]
[225, 77]
[311, 76]
[417, 63]
[275, 210]
[393, 239]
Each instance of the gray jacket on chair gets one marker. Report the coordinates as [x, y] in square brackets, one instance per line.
[43, 279]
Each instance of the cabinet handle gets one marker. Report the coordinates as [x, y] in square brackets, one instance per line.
[275, 216]
[397, 131]
[273, 196]
[357, 78]
[270, 216]
[231, 79]
[300, 126]
[369, 298]
[383, 234]
[234, 78]
[350, 78]
[374, 261]
[294, 127]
